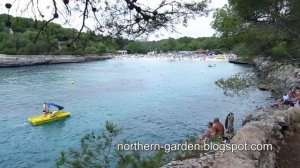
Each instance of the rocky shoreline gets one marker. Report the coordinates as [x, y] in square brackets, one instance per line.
[264, 126]
[26, 60]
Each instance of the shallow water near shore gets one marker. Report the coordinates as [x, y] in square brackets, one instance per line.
[154, 101]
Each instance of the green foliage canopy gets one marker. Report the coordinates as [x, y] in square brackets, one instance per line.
[267, 28]
[19, 38]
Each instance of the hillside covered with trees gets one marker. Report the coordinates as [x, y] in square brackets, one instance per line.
[19, 36]
[214, 44]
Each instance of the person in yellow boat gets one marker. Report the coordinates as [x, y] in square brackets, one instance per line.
[46, 108]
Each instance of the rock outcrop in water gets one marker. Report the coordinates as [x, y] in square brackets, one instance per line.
[276, 76]
[25, 60]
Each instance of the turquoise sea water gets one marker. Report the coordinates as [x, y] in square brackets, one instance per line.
[153, 101]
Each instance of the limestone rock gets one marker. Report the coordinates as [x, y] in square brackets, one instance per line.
[230, 160]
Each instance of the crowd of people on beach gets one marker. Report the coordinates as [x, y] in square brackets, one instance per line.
[292, 98]
[178, 56]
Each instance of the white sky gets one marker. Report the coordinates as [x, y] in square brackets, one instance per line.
[200, 27]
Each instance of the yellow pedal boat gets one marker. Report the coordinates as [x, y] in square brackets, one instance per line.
[45, 118]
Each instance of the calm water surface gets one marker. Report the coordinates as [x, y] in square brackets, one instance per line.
[153, 101]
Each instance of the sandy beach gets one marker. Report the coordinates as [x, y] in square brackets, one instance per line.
[178, 57]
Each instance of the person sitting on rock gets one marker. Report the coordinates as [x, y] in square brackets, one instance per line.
[295, 99]
[290, 92]
[209, 133]
[219, 131]
[218, 127]
[287, 99]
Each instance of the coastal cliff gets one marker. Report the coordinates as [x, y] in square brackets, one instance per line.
[26, 60]
[269, 125]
